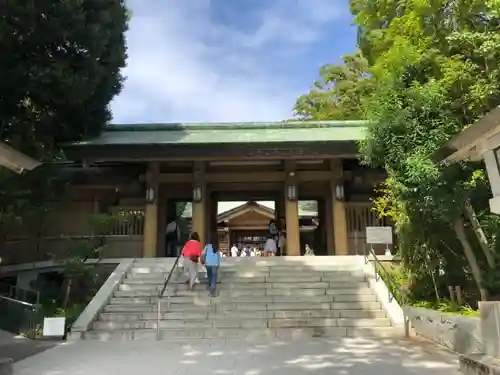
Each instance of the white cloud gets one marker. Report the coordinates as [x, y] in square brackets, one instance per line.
[185, 66]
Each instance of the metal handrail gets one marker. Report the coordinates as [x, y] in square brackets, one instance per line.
[27, 304]
[160, 295]
[15, 292]
[390, 280]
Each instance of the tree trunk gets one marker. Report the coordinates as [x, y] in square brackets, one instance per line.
[481, 237]
[434, 284]
[69, 284]
[471, 257]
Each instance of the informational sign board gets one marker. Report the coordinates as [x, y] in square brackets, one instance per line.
[54, 327]
[379, 235]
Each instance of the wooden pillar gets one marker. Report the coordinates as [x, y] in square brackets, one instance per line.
[338, 211]
[163, 210]
[291, 211]
[280, 206]
[214, 232]
[320, 243]
[199, 214]
[340, 228]
[150, 236]
[329, 226]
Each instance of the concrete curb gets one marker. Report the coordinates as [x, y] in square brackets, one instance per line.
[391, 307]
[462, 334]
[479, 364]
[93, 309]
[6, 366]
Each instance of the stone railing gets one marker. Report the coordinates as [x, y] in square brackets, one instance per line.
[476, 339]
[461, 334]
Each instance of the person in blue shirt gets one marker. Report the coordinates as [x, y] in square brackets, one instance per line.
[212, 259]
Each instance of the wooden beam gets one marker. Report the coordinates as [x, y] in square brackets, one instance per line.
[15, 160]
[262, 188]
[276, 176]
[96, 187]
[213, 152]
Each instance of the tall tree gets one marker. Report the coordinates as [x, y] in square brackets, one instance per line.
[437, 68]
[60, 67]
[433, 68]
[60, 64]
[340, 92]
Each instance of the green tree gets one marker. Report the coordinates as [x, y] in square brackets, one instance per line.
[60, 63]
[75, 261]
[60, 67]
[340, 93]
[433, 68]
[437, 68]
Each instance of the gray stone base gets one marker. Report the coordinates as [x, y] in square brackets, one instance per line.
[6, 366]
[479, 364]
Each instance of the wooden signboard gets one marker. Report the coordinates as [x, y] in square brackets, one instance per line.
[379, 235]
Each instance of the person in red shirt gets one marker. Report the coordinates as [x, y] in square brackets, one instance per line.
[191, 254]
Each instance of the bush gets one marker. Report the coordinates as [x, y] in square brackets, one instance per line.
[419, 291]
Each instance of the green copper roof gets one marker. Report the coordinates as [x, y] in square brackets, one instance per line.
[217, 133]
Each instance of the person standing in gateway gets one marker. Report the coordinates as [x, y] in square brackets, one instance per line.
[234, 251]
[173, 234]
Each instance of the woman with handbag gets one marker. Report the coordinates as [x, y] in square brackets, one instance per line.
[191, 256]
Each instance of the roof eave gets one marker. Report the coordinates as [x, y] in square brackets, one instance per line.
[15, 160]
[464, 145]
[234, 125]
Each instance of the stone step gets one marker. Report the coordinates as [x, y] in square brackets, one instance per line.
[319, 261]
[252, 268]
[312, 276]
[179, 290]
[245, 289]
[249, 272]
[223, 284]
[291, 314]
[179, 279]
[224, 294]
[166, 306]
[241, 323]
[207, 300]
[266, 334]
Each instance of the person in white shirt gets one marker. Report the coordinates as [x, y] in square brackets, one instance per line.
[270, 247]
[234, 251]
[308, 251]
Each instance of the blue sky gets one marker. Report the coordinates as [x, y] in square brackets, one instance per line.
[227, 60]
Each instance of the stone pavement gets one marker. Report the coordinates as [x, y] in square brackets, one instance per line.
[18, 348]
[312, 356]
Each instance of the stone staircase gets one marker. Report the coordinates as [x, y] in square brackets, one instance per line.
[257, 299]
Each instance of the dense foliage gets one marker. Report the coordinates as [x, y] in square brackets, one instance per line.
[60, 63]
[60, 67]
[430, 69]
[340, 92]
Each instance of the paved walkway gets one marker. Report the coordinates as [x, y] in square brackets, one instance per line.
[315, 357]
[18, 348]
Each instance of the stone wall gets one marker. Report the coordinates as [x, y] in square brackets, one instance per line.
[461, 334]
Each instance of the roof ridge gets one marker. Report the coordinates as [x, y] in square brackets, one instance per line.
[235, 125]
